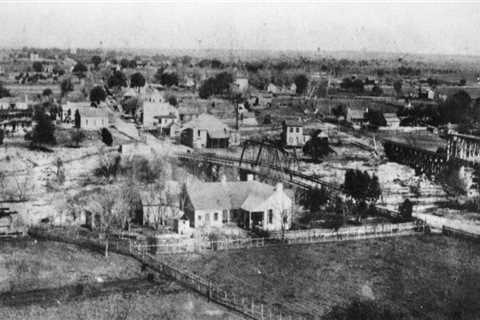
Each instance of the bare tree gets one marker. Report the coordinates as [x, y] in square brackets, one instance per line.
[113, 215]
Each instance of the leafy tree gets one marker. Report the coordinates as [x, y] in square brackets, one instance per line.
[57, 70]
[315, 199]
[96, 60]
[405, 209]
[77, 137]
[137, 80]
[4, 92]
[397, 86]
[117, 80]
[66, 86]
[132, 63]
[457, 108]
[301, 81]
[80, 69]
[44, 130]
[47, 92]
[172, 100]
[376, 118]
[220, 84]
[106, 137]
[361, 187]
[77, 119]
[124, 63]
[167, 78]
[37, 66]
[97, 94]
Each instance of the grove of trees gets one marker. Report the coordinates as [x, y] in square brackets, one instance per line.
[301, 82]
[220, 84]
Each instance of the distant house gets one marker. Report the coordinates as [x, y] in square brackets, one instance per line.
[391, 120]
[93, 118]
[292, 134]
[248, 204]
[159, 115]
[271, 88]
[241, 84]
[355, 117]
[206, 131]
[187, 113]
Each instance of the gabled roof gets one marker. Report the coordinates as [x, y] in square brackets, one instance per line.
[356, 114]
[92, 112]
[229, 195]
[207, 122]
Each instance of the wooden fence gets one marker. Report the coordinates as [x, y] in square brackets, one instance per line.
[287, 237]
[199, 246]
[246, 306]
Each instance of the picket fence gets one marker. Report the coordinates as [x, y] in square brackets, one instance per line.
[286, 237]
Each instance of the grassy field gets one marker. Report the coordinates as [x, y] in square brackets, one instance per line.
[28, 264]
[154, 304]
[426, 277]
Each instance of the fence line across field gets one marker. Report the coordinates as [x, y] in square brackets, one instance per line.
[287, 237]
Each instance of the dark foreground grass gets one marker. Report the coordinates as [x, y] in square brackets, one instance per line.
[26, 264]
[425, 277]
[150, 305]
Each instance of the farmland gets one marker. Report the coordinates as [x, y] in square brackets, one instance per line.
[426, 277]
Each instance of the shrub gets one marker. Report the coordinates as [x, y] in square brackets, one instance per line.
[106, 137]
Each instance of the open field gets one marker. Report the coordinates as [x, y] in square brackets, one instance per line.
[28, 264]
[154, 304]
[426, 277]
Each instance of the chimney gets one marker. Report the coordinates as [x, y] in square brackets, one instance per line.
[279, 187]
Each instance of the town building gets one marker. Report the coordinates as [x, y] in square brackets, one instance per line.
[93, 118]
[392, 120]
[241, 84]
[247, 204]
[207, 131]
[356, 117]
[159, 115]
[292, 134]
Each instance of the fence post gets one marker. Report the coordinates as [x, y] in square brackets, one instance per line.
[209, 290]
[253, 307]
[261, 311]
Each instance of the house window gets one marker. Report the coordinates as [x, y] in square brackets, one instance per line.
[270, 216]
[198, 133]
[291, 130]
[285, 220]
[86, 122]
[298, 130]
[215, 216]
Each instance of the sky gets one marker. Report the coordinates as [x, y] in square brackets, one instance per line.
[438, 28]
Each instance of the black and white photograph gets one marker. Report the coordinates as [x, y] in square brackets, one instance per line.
[239, 160]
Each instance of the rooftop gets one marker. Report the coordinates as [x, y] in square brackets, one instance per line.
[229, 195]
[207, 122]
